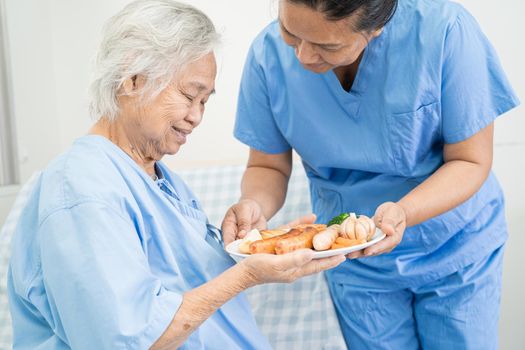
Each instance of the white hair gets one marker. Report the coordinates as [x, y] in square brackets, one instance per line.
[151, 38]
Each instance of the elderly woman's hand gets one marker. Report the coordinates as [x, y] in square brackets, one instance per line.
[391, 219]
[267, 268]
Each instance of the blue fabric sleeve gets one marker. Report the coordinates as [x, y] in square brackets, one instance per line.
[255, 124]
[474, 90]
[97, 279]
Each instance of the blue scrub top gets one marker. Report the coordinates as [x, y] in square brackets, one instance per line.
[103, 254]
[430, 78]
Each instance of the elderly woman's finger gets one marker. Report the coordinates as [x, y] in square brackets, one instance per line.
[296, 259]
[355, 255]
[318, 265]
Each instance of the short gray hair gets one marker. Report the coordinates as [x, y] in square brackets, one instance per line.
[152, 38]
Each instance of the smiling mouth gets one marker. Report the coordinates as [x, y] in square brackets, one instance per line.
[181, 131]
[181, 134]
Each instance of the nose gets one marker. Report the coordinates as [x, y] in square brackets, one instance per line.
[305, 53]
[195, 114]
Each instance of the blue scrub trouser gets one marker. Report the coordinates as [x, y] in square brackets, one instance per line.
[459, 311]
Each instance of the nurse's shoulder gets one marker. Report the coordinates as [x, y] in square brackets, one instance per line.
[268, 47]
[427, 17]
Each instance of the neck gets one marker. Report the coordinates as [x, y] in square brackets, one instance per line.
[116, 133]
[347, 74]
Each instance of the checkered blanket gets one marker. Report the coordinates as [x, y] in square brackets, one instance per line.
[299, 315]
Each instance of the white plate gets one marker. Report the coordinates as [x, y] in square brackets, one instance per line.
[233, 248]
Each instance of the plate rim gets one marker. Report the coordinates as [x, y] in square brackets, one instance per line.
[317, 254]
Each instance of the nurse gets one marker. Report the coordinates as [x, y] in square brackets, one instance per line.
[113, 250]
[390, 106]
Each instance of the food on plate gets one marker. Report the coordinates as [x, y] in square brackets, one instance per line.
[273, 233]
[341, 242]
[300, 241]
[369, 225]
[338, 219]
[318, 227]
[361, 227]
[351, 231]
[324, 239]
[250, 237]
[268, 245]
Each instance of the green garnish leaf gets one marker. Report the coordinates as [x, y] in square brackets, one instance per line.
[338, 219]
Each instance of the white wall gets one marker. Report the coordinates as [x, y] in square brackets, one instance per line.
[53, 42]
[76, 32]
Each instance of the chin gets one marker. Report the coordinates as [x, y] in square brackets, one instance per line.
[319, 69]
[172, 150]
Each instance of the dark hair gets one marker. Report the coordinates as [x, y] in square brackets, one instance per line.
[373, 14]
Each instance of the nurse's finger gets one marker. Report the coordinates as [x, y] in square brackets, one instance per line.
[388, 227]
[381, 247]
[229, 227]
[244, 217]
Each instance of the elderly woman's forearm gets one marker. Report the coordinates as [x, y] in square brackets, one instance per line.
[200, 303]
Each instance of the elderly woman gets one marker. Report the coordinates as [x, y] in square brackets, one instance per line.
[390, 104]
[113, 251]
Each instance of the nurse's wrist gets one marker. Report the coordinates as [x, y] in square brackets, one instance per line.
[405, 207]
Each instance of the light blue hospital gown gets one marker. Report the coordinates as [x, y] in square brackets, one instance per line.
[430, 78]
[103, 254]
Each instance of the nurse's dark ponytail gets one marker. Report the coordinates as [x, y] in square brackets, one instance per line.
[373, 14]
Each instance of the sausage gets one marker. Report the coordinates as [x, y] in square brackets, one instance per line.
[318, 227]
[303, 240]
[326, 238]
[252, 236]
[268, 245]
[266, 234]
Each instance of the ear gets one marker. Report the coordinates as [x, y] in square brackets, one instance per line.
[377, 32]
[132, 84]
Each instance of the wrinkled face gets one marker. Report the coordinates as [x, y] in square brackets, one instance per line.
[162, 125]
[320, 44]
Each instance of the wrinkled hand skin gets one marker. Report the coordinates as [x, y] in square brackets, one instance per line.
[268, 268]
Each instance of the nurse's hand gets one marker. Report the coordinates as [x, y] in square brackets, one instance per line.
[268, 268]
[390, 217]
[240, 218]
[247, 215]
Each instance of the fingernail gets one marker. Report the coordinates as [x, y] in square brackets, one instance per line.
[370, 253]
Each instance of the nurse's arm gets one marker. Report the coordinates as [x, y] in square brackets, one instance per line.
[466, 167]
[263, 191]
[200, 303]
